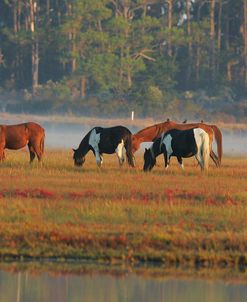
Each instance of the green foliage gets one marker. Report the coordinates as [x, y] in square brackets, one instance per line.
[51, 90]
[154, 94]
[103, 68]
[125, 50]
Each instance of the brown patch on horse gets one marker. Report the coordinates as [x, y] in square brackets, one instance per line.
[15, 137]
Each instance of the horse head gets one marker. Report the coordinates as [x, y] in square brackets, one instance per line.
[149, 160]
[135, 144]
[78, 158]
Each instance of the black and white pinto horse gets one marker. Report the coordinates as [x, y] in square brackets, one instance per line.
[182, 144]
[105, 140]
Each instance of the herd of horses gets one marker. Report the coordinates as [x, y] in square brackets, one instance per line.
[181, 140]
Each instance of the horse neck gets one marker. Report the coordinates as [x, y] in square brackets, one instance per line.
[148, 134]
[157, 130]
[156, 147]
[153, 132]
[166, 126]
[84, 146]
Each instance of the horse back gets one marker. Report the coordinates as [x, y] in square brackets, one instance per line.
[183, 142]
[17, 136]
[116, 133]
[34, 130]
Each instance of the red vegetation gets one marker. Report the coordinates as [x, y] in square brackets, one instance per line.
[28, 193]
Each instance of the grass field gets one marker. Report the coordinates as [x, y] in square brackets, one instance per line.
[55, 210]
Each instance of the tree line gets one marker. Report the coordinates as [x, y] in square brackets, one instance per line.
[141, 54]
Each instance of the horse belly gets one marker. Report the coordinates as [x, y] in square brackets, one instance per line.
[188, 154]
[107, 150]
[15, 142]
[15, 146]
[185, 152]
[107, 147]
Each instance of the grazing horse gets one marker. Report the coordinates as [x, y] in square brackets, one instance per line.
[105, 140]
[179, 143]
[150, 133]
[18, 136]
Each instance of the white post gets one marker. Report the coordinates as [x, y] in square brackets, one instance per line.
[132, 115]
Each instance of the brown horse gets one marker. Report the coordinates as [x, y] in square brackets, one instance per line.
[18, 136]
[151, 133]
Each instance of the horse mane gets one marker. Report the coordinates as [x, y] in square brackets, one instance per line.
[157, 128]
[83, 146]
[145, 129]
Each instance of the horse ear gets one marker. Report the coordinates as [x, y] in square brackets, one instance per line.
[73, 149]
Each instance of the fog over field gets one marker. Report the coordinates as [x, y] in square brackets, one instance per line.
[69, 135]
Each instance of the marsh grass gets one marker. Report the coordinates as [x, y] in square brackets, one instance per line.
[122, 214]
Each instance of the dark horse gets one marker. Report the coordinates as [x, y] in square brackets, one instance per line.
[18, 136]
[180, 143]
[105, 140]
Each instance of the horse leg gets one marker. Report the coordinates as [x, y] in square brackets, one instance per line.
[180, 161]
[101, 159]
[200, 161]
[35, 148]
[166, 159]
[121, 160]
[119, 152]
[2, 154]
[38, 147]
[214, 158]
[31, 152]
[98, 158]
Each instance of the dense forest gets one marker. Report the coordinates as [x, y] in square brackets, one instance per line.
[108, 57]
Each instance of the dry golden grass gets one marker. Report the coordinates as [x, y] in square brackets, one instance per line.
[123, 214]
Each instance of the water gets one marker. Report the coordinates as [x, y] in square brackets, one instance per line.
[59, 135]
[70, 135]
[103, 287]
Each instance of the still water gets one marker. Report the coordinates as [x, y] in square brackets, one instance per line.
[104, 287]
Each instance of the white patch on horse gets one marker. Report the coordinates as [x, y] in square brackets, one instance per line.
[167, 141]
[200, 137]
[119, 152]
[198, 134]
[152, 152]
[93, 141]
[181, 166]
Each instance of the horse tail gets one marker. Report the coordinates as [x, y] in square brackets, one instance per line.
[42, 143]
[205, 150]
[218, 138]
[128, 148]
